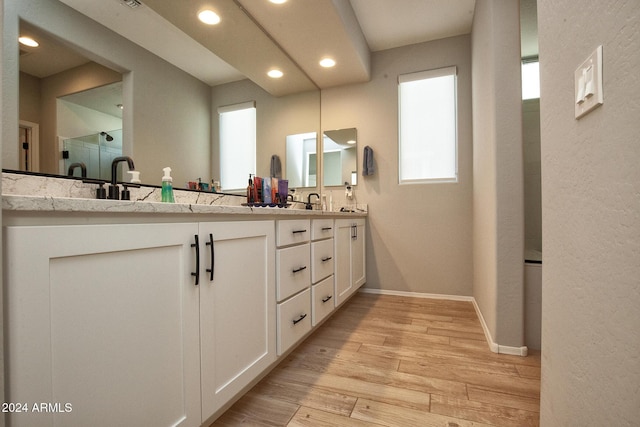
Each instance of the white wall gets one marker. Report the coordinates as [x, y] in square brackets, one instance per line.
[419, 236]
[498, 221]
[590, 217]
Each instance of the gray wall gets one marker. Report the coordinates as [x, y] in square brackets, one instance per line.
[590, 217]
[419, 236]
[168, 119]
[498, 221]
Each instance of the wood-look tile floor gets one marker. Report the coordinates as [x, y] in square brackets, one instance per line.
[395, 361]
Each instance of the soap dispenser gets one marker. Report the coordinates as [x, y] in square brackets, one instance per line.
[167, 186]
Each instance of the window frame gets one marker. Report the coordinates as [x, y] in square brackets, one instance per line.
[424, 75]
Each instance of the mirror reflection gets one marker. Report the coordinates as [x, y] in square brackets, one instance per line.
[169, 115]
[339, 156]
[301, 160]
[75, 101]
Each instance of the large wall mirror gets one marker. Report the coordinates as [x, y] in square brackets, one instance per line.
[339, 156]
[168, 117]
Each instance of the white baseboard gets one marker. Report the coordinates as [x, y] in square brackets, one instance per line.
[416, 294]
[493, 346]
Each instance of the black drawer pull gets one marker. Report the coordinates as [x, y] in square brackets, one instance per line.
[299, 319]
[327, 298]
[299, 231]
[197, 272]
[299, 269]
[326, 228]
[213, 258]
[326, 259]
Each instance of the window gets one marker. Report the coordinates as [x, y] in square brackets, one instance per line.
[428, 126]
[530, 79]
[237, 145]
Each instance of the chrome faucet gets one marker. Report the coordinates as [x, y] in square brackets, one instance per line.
[113, 188]
[308, 204]
[82, 166]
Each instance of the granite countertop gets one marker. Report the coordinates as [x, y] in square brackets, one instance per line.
[52, 194]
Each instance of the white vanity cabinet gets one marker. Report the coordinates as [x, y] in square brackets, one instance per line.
[102, 320]
[109, 319]
[237, 307]
[293, 277]
[322, 269]
[350, 272]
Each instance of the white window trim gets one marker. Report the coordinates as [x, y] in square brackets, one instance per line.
[421, 75]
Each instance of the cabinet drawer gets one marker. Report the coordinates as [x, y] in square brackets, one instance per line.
[294, 320]
[321, 260]
[290, 232]
[293, 266]
[322, 300]
[321, 229]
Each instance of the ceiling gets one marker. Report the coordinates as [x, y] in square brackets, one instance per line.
[292, 36]
[255, 35]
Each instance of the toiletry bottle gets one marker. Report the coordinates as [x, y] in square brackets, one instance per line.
[250, 191]
[167, 186]
[135, 177]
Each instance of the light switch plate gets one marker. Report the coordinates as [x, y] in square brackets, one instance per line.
[588, 84]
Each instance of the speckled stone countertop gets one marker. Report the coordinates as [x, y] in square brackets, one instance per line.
[22, 192]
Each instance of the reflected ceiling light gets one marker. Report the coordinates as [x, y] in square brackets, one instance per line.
[28, 41]
[278, 1]
[351, 142]
[209, 17]
[327, 62]
[275, 74]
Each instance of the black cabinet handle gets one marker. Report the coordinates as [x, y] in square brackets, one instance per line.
[327, 298]
[326, 259]
[326, 228]
[299, 231]
[299, 319]
[213, 258]
[354, 231]
[197, 272]
[299, 269]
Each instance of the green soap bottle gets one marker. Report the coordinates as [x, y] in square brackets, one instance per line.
[167, 186]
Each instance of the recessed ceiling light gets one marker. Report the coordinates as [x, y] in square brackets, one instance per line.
[278, 1]
[351, 142]
[209, 17]
[28, 41]
[275, 74]
[327, 62]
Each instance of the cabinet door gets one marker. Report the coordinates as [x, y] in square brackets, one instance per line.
[237, 308]
[358, 264]
[342, 242]
[103, 320]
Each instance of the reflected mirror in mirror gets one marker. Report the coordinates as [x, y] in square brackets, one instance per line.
[301, 160]
[73, 100]
[339, 157]
[87, 111]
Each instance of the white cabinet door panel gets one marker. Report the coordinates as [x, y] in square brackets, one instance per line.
[237, 308]
[103, 317]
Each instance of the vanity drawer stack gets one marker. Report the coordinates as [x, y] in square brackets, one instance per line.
[293, 281]
[322, 263]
